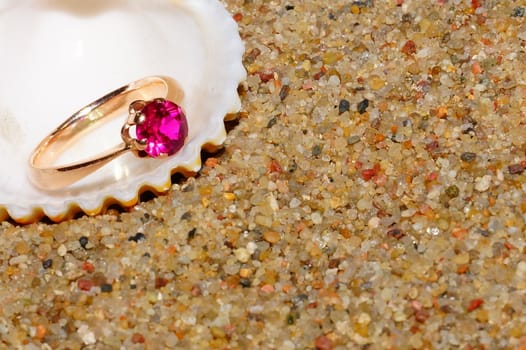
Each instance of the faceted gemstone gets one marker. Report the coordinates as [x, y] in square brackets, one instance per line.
[164, 128]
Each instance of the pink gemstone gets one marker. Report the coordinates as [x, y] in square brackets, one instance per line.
[164, 128]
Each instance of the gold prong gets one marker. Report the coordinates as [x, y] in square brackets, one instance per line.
[139, 145]
[139, 118]
[135, 109]
[125, 134]
[137, 106]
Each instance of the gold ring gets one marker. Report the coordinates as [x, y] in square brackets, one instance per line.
[156, 127]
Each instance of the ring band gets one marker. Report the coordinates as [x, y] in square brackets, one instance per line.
[155, 128]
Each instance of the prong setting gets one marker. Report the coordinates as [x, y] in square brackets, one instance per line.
[136, 117]
[159, 128]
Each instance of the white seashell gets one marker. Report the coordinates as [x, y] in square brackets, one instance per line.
[60, 55]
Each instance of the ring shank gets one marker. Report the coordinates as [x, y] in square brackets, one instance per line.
[45, 174]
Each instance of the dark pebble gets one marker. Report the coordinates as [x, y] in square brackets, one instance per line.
[468, 129]
[133, 286]
[397, 138]
[407, 18]
[344, 106]
[292, 317]
[272, 122]
[137, 237]
[515, 169]
[245, 282]
[191, 233]
[284, 92]
[468, 156]
[289, 7]
[106, 288]
[518, 11]
[300, 299]
[145, 218]
[483, 232]
[83, 241]
[452, 191]
[395, 233]
[47, 264]
[316, 150]
[363, 105]
[293, 166]
[186, 216]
